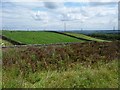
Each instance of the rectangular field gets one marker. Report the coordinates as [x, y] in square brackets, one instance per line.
[36, 37]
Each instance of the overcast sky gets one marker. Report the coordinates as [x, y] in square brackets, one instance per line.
[52, 15]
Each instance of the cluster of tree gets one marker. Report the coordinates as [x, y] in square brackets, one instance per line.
[106, 36]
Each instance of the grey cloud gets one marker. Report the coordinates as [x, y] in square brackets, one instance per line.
[36, 17]
[40, 16]
[51, 5]
[9, 5]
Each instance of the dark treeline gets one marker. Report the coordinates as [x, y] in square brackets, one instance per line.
[106, 36]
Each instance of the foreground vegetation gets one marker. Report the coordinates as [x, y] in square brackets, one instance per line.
[89, 65]
[37, 37]
[0, 68]
[5, 43]
[100, 75]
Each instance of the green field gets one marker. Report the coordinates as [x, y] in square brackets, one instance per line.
[36, 37]
[84, 36]
[41, 37]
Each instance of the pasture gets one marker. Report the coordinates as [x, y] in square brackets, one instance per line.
[36, 37]
[45, 37]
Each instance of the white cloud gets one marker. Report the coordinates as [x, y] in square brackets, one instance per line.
[41, 16]
[50, 15]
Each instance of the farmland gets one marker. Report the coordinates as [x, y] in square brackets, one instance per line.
[42, 37]
[34, 37]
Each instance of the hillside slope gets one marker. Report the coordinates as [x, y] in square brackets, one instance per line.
[84, 37]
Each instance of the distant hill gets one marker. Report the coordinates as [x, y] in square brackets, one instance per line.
[94, 31]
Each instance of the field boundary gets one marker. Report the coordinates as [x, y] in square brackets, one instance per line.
[42, 45]
[69, 35]
[11, 41]
[20, 43]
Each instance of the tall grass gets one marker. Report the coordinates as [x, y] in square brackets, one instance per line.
[5, 43]
[83, 65]
[102, 75]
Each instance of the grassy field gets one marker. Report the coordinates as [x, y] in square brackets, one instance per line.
[84, 36]
[32, 37]
[83, 65]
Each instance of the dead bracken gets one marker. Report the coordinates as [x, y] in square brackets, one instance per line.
[56, 57]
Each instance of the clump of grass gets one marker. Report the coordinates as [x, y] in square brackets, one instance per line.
[78, 77]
